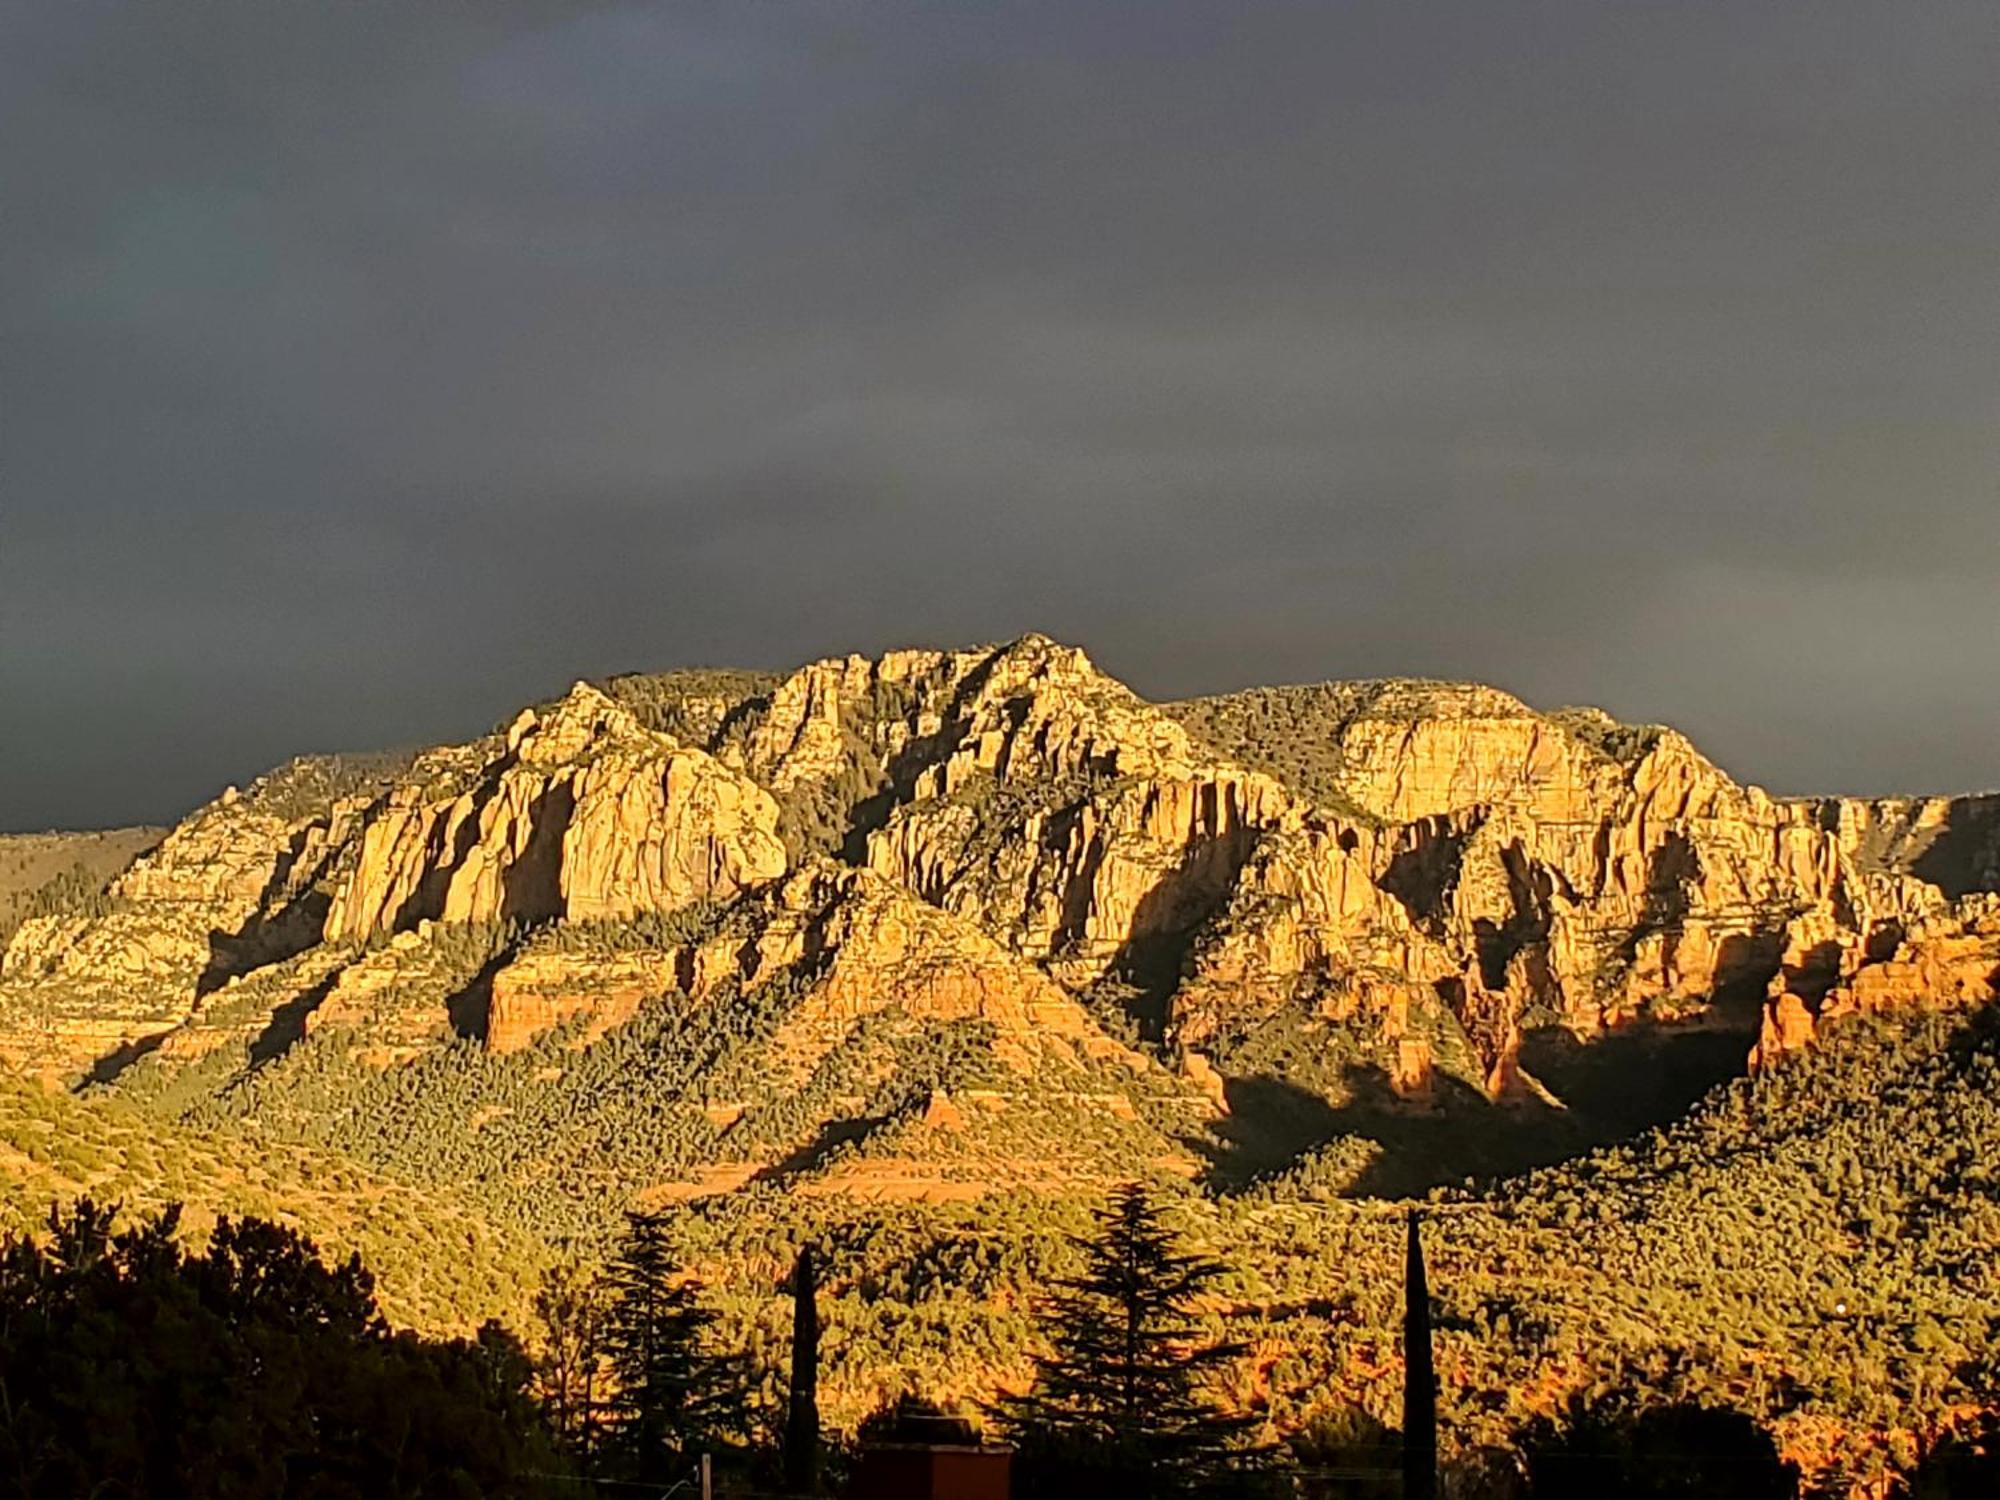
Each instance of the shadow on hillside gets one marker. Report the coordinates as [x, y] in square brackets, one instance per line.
[469, 1008]
[1639, 1076]
[1454, 1135]
[1271, 1123]
[269, 937]
[287, 1025]
[813, 1155]
[1965, 856]
[107, 1068]
[294, 927]
[262, 941]
[1613, 1088]
[1154, 960]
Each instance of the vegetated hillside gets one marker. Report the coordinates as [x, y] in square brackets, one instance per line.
[705, 706]
[1298, 732]
[920, 953]
[1951, 842]
[1711, 1260]
[42, 874]
[692, 928]
[691, 1095]
[441, 1264]
[1814, 1245]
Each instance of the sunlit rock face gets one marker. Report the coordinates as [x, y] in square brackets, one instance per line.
[580, 813]
[1555, 866]
[1001, 832]
[1948, 958]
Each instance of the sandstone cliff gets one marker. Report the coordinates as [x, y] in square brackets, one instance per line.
[577, 812]
[1952, 843]
[1535, 867]
[580, 813]
[852, 944]
[1006, 835]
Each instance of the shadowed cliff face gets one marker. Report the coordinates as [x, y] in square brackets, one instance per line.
[1952, 843]
[1385, 897]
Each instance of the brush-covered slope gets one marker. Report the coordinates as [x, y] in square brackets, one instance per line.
[946, 922]
[1812, 1244]
[42, 874]
[441, 1263]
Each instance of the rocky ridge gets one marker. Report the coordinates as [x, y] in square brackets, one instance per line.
[1008, 838]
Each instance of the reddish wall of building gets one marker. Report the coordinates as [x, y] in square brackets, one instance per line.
[931, 1474]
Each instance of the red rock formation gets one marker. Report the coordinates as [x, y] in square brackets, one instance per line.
[583, 813]
[539, 991]
[1952, 960]
[1471, 863]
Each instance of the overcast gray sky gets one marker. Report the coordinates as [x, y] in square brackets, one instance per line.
[367, 370]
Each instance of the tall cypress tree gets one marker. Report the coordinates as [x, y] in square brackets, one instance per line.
[673, 1394]
[1122, 1397]
[1420, 1438]
[802, 1409]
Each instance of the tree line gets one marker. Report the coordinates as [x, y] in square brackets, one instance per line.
[131, 1365]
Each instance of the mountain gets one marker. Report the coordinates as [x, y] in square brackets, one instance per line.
[1435, 864]
[915, 953]
[42, 873]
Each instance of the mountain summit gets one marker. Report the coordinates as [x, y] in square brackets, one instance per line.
[861, 924]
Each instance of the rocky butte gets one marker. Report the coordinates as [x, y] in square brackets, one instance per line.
[1109, 894]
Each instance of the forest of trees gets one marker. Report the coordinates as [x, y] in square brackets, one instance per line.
[1803, 1264]
[1812, 1249]
[131, 1365]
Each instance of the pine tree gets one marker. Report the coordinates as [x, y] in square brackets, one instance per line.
[1122, 1397]
[1420, 1439]
[802, 1410]
[673, 1394]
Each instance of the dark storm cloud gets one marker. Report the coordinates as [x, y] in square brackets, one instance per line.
[368, 369]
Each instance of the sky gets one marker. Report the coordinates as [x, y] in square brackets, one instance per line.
[368, 370]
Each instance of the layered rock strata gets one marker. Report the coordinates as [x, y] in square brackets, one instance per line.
[583, 814]
[987, 833]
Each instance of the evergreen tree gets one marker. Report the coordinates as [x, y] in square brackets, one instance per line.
[1617, 1446]
[673, 1395]
[1420, 1438]
[251, 1370]
[802, 1408]
[1121, 1401]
